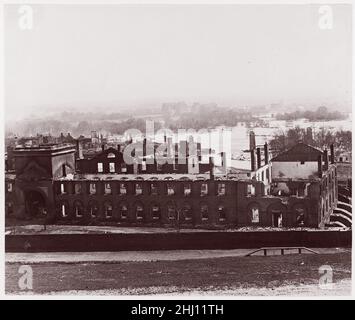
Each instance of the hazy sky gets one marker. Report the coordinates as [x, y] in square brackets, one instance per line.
[101, 55]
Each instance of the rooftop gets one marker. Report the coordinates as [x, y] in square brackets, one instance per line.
[45, 147]
[299, 152]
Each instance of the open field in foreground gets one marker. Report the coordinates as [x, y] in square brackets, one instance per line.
[274, 275]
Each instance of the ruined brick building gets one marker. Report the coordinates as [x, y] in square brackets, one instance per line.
[298, 188]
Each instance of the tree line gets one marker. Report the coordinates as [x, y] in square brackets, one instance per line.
[322, 139]
[321, 114]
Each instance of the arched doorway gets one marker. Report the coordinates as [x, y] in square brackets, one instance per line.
[278, 213]
[35, 204]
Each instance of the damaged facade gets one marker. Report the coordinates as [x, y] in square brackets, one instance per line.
[295, 189]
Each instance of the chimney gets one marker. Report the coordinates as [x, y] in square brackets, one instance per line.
[326, 159]
[252, 143]
[266, 153]
[309, 135]
[211, 165]
[144, 147]
[224, 162]
[103, 147]
[79, 149]
[119, 148]
[64, 170]
[199, 154]
[176, 148]
[252, 158]
[320, 171]
[332, 156]
[258, 157]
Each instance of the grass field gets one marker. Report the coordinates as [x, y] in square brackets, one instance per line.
[239, 275]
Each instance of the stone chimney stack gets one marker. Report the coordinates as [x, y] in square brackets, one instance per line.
[252, 159]
[176, 148]
[309, 135]
[252, 143]
[326, 159]
[266, 153]
[224, 162]
[79, 149]
[258, 157]
[199, 153]
[211, 163]
[144, 147]
[64, 170]
[332, 155]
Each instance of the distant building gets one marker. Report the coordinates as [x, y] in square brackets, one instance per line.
[304, 171]
[66, 139]
[344, 167]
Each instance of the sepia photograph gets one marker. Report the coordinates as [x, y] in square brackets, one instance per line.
[183, 151]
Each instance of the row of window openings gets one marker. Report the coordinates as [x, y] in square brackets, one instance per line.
[172, 213]
[112, 167]
[139, 212]
[221, 189]
[255, 216]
